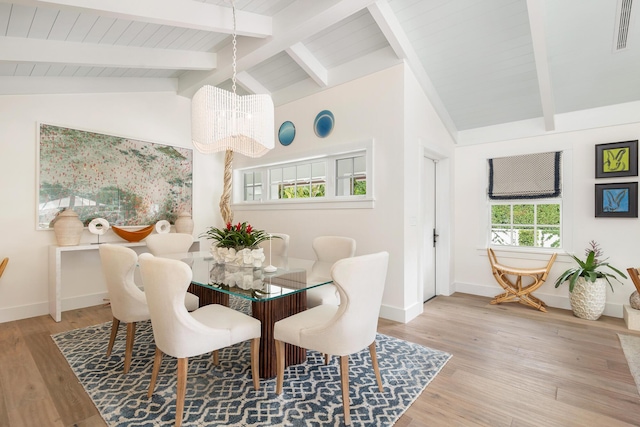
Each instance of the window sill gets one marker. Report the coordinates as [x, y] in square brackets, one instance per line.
[304, 204]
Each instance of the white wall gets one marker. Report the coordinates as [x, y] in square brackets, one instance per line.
[617, 237]
[161, 118]
[370, 108]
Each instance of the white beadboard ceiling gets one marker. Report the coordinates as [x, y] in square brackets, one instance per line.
[483, 63]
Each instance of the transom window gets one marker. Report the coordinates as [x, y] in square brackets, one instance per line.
[331, 177]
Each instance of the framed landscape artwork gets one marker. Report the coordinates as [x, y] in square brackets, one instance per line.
[125, 181]
[617, 159]
[617, 200]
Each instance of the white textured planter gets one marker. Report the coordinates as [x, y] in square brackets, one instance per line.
[245, 257]
[588, 299]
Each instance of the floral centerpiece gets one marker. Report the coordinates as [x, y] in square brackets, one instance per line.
[237, 244]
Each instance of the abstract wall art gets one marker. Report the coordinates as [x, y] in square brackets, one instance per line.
[125, 181]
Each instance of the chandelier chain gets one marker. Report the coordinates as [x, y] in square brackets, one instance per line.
[235, 50]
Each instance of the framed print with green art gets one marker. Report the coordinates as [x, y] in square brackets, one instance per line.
[617, 159]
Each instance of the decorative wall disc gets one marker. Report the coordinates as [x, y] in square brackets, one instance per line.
[287, 133]
[163, 226]
[98, 226]
[323, 124]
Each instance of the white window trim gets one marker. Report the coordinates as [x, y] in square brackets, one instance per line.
[330, 201]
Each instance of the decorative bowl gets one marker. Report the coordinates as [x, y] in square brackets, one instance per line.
[133, 235]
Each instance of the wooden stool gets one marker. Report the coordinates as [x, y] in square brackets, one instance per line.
[515, 291]
[3, 265]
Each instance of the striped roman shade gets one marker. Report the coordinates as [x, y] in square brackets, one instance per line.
[529, 176]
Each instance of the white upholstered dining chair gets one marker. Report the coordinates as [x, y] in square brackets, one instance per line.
[340, 329]
[279, 246]
[181, 334]
[329, 249]
[169, 243]
[128, 303]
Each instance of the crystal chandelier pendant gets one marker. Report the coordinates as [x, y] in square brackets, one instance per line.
[222, 120]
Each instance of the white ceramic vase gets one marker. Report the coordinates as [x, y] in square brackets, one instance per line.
[588, 299]
[68, 228]
[184, 223]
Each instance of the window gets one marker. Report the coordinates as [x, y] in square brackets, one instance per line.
[343, 176]
[351, 176]
[252, 186]
[526, 224]
[298, 181]
[525, 200]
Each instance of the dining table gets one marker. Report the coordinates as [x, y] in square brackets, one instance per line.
[272, 295]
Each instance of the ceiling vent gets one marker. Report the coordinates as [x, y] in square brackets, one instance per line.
[623, 18]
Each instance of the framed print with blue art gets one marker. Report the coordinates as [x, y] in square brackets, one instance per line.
[617, 200]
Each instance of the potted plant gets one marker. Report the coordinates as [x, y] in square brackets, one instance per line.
[588, 281]
[237, 244]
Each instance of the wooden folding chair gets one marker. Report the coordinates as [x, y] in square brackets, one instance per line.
[515, 290]
[634, 274]
[3, 265]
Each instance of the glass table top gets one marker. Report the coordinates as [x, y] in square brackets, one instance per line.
[292, 275]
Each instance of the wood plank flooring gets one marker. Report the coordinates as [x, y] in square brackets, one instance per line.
[511, 366]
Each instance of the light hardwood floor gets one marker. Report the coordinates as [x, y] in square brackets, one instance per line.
[511, 366]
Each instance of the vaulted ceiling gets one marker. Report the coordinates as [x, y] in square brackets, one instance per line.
[482, 63]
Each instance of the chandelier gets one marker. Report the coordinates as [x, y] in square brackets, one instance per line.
[223, 121]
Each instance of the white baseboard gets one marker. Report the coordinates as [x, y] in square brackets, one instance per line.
[556, 301]
[40, 309]
[402, 315]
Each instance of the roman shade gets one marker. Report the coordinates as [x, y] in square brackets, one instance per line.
[527, 176]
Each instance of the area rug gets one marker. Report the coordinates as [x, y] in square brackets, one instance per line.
[631, 347]
[224, 395]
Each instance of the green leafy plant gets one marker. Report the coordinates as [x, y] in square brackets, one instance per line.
[239, 236]
[590, 268]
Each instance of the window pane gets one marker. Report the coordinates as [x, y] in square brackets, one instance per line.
[275, 192]
[318, 190]
[344, 167]
[276, 175]
[524, 235]
[289, 174]
[501, 236]
[523, 214]
[360, 165]
[548, 237]
[343, 187]
[257, 178]
[303, 172]
[548, 214]
[248, 193]
[501, 214]
[360, 187]
[248, 179]
[318, 171]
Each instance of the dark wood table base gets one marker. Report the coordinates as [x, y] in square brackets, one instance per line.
[268, 312]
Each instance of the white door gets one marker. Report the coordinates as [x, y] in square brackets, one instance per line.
[429, 226]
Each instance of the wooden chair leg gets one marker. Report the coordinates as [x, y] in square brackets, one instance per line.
[374, 362]
[327, 358]
[157, 361]
[131, 335]
[255, 362]
[279, 365]
[216, 357]
[344, 378]
[115, 323]
[183, 367]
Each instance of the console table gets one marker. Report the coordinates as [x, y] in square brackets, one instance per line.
[56, 260]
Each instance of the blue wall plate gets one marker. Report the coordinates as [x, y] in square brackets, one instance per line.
[286, 133]
[323, 124]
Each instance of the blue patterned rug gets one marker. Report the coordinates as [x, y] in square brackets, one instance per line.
[224, 396]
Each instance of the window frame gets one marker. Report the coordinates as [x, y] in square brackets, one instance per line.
[512, 225]
[330, 155]
[566, 226]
